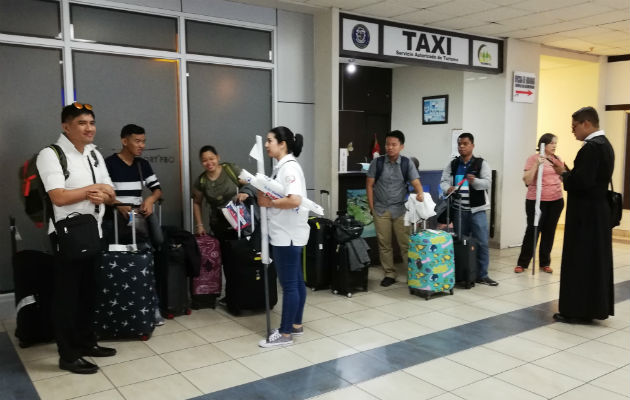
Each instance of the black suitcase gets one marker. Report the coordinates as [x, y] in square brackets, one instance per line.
[244, 276]
[344, 280]
[33, 283]
[318, 254]
[465, 261]
[465, 248]
[172, 271]
[125, 296]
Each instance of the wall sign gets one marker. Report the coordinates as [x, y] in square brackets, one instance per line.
[364, 36]
[374, 39]
[409, 43]
[435, 110]
[523, 87]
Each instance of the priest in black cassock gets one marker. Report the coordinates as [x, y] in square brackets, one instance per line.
[586, 279]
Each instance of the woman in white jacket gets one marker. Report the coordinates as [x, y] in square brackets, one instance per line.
[288, 232]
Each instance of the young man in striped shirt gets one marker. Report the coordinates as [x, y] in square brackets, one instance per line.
[130, 172]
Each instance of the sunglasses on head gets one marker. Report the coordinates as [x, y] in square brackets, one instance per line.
[80, 106]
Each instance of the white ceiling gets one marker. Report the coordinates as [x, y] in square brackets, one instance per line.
[600, 27]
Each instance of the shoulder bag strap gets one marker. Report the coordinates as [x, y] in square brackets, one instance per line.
[96, 208]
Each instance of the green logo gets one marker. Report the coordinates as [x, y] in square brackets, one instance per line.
[483, 55]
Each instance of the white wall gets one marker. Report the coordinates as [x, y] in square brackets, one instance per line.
[326, 54]
[519, 140]
[295, 91]
[431, 144]
[617, 86]
[483, 116]
[518, 137]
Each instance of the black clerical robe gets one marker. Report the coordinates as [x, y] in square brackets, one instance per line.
[586, 279]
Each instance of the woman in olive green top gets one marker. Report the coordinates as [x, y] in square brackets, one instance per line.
[217, 185]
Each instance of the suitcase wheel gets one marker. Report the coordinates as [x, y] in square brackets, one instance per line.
[169, 316]
[349, 295]
[334, 291]
[188, 311]
[144, 338]
[451, 292]
[313, 289]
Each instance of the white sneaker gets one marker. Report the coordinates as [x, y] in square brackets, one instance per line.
[159, 320]
[276, 339]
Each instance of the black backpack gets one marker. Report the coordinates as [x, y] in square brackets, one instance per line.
[36, 201]
[380, 163]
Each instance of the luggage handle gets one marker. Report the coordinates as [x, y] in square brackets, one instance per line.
[159, 202]
[13, 230]
[321, 199]
[327, 209]
[415, 222]
[117, 245]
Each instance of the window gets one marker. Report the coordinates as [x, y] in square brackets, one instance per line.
[123, 28]
[227, 41]
[30, 18]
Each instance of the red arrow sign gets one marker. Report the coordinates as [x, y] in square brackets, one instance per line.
[529, 92]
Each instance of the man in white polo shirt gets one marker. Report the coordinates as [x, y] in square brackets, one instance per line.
[86, 193]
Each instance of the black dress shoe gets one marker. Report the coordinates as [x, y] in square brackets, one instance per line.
[571, 320]
[78, 366]
[387, 281]
[99, 351]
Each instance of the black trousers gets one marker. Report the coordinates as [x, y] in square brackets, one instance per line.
[549, 214]
[73, 304]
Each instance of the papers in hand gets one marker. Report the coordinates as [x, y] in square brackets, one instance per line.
[237, 214]
[274, 190]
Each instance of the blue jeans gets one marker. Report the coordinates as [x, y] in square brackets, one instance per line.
[288, 261]
[475, 225]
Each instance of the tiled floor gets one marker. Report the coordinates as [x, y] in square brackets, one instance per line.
[484, 343]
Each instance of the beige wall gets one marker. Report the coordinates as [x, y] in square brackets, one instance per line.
[562, 91]
[566, 88]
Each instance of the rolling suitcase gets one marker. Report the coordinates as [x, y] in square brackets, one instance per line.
[176, 260]
[431, 266]
[465, 248]
[346, 281]
[244, 275]
[207, 286]
[32, 277]
[318, 254]
[125, 296]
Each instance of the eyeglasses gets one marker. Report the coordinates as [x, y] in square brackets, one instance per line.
[80, 106]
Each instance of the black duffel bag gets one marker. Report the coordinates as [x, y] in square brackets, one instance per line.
[346, 228]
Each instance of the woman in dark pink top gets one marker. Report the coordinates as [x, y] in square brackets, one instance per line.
[551, 204]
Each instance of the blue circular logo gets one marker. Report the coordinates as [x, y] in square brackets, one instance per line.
[360, 36]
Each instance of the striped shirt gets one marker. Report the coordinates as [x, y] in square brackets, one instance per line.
[463, 201]
[127, 180]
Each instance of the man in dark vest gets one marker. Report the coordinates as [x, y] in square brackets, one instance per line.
[586, 276]
[473, 177]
